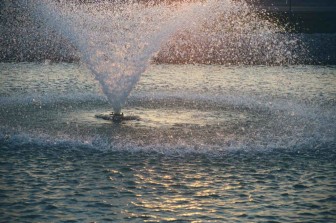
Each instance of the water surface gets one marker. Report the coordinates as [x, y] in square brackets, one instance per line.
[213, 143]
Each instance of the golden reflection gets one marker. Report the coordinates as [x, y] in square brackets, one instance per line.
[174, 117]
[189, 192]
[231, 187]
[167, 177]
[250, 198]
[192, 214]
[181, 192]
[206, 193]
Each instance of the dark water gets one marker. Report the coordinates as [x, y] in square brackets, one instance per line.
[62, 184]
[213, 144]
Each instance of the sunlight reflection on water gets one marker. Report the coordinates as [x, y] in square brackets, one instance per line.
[227, 144]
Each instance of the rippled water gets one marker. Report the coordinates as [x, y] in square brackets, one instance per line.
[213, 143]
[61, 184]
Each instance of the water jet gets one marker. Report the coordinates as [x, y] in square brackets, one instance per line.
[116, 41]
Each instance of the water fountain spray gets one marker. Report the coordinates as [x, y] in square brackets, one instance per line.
[116, 41]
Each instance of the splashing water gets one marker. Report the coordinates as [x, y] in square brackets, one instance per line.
[236, 33]
[117, 40]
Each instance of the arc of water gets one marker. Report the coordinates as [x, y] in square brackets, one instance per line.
[117, 41]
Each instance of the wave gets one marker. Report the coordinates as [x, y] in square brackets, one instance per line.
[43, 142]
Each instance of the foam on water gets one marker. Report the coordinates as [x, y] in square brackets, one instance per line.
[174, 118]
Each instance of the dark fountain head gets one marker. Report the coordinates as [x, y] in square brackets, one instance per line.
[114, 117]
[117, 117]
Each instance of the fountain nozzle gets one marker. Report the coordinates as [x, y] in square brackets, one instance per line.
[117, 117]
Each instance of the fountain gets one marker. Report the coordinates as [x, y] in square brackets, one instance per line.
[118, 40]
[228, 122]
